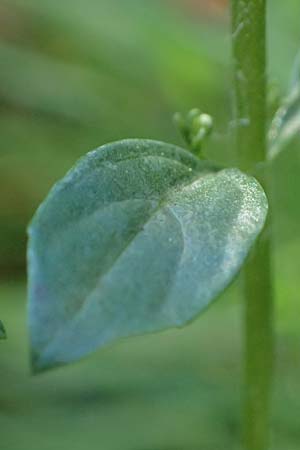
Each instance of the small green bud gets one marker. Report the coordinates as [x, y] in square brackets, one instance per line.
[206, 121]
[192, 114]
[194, 128]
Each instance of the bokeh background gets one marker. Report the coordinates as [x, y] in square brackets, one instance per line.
[74, 75]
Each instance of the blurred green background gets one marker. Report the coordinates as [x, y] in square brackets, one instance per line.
[73, 76]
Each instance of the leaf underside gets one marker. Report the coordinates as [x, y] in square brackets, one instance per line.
[285, 126]
[138, 237]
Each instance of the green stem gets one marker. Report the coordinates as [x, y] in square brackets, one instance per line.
[249, 51]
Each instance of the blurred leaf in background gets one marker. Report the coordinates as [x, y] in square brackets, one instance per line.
[2, 331]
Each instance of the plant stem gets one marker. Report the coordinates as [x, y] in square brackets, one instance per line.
[249, 51]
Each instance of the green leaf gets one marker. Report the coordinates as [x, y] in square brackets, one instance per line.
[2, 331]
[285, 125]
[139, 236]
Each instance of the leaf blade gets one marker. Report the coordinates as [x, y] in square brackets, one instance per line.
[112, 273]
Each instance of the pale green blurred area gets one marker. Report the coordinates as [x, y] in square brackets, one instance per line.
[73, 76]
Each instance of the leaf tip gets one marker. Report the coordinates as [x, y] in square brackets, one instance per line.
[39, 365]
